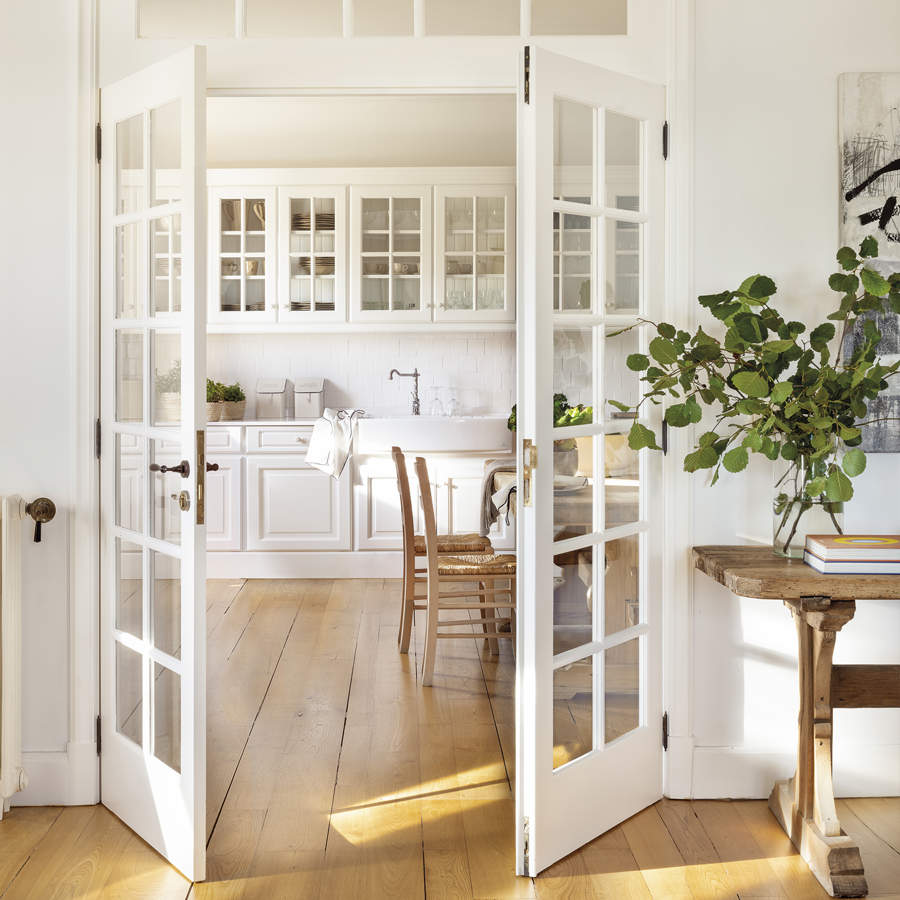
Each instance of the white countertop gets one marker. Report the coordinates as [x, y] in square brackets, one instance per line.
[294, 422]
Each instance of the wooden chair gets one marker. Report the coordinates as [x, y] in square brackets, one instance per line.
[414, 547]
[496, 577]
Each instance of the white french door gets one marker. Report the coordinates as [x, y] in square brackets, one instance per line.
[153, 364]
[591, 252]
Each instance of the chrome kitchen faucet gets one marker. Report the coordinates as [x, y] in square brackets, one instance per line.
[414, 396]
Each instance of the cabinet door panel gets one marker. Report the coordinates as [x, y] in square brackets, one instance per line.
[242, 255]
[312, 254]
[223, 504]
[292, 506]
[379, 525]
[474, 253]
[390, 253]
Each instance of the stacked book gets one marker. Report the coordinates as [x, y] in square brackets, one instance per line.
[853, 554]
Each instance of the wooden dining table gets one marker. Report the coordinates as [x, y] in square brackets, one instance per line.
[821, 605]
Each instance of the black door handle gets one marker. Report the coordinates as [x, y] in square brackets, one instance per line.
[183, 468]
[212, 467]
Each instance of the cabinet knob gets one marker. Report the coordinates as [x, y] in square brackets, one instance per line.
[302, 440]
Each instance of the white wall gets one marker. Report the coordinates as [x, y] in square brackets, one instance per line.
[479, 368]
[766, 196]
[432, 130]
[38, 106]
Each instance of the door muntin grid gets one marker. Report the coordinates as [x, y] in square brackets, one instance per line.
[599, 665]
[145, 328]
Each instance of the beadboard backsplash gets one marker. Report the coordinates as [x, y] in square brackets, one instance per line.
[479, 368]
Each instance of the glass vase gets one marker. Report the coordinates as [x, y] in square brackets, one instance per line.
[795, 513]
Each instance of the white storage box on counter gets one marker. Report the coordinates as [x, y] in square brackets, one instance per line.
[309, 398]
[274, 398]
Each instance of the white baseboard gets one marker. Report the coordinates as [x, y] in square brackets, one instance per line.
[863, 770]
[679, 763]
[60, 777]
[306, 564]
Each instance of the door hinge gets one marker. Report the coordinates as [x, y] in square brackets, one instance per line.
[98, 438]
[98, 735]
[527, 74]
[665, 140]
[525, 837]
[665, 437]
[665, 731]
[98, 141]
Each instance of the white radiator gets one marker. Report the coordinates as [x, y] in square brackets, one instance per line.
[12, 775]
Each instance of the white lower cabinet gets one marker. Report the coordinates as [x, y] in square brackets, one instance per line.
[456, 485]
[264, 497]
[224, 508]
[377, 519]
[292, 506]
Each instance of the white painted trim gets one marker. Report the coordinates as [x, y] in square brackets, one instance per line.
[82, 770]
[360, 91]
[305, 564]
[373, 175]
[428, 327]
[719, 772]
[60, 777]
[677, 563]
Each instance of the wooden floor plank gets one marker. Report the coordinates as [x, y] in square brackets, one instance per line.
[89, 853]
[343, 777]
[611, 868]
[745, 862]
[880, 815]
[880, 860]
[654, 850]
[21, 831]
[790, 868]
[706, 876]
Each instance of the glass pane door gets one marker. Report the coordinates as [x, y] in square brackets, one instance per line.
[588, 668]
[152, 463]
[242, 263]
[312, 254]
[475, 253]
[390, 254]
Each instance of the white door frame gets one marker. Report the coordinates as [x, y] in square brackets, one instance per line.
[81, 782]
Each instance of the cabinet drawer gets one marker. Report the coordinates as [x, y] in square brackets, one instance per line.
[223, 439]
[278, 438]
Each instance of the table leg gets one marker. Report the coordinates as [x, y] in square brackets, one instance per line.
[804, 804]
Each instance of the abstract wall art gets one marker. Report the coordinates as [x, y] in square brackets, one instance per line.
[869, 135]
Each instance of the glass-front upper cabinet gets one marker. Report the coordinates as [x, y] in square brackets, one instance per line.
[475, 261]
[312, 254]
[242, 254]
[390, 254]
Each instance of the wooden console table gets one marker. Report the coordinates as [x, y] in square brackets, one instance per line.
[821, 605]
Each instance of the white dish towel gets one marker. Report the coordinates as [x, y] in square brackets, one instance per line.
[332, 441]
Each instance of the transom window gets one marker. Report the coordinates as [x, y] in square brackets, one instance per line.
[386, 18]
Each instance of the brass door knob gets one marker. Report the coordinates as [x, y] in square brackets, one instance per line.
[41, 510]
[183, 468]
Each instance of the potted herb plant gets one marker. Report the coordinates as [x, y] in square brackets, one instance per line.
[794, 394]
[234, 402]
[168, 395]
[565, 451]
[214, 400]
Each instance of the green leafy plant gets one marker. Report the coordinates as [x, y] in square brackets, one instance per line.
[774, 384]
[233, 393]
[214, 391]
[563, 414]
